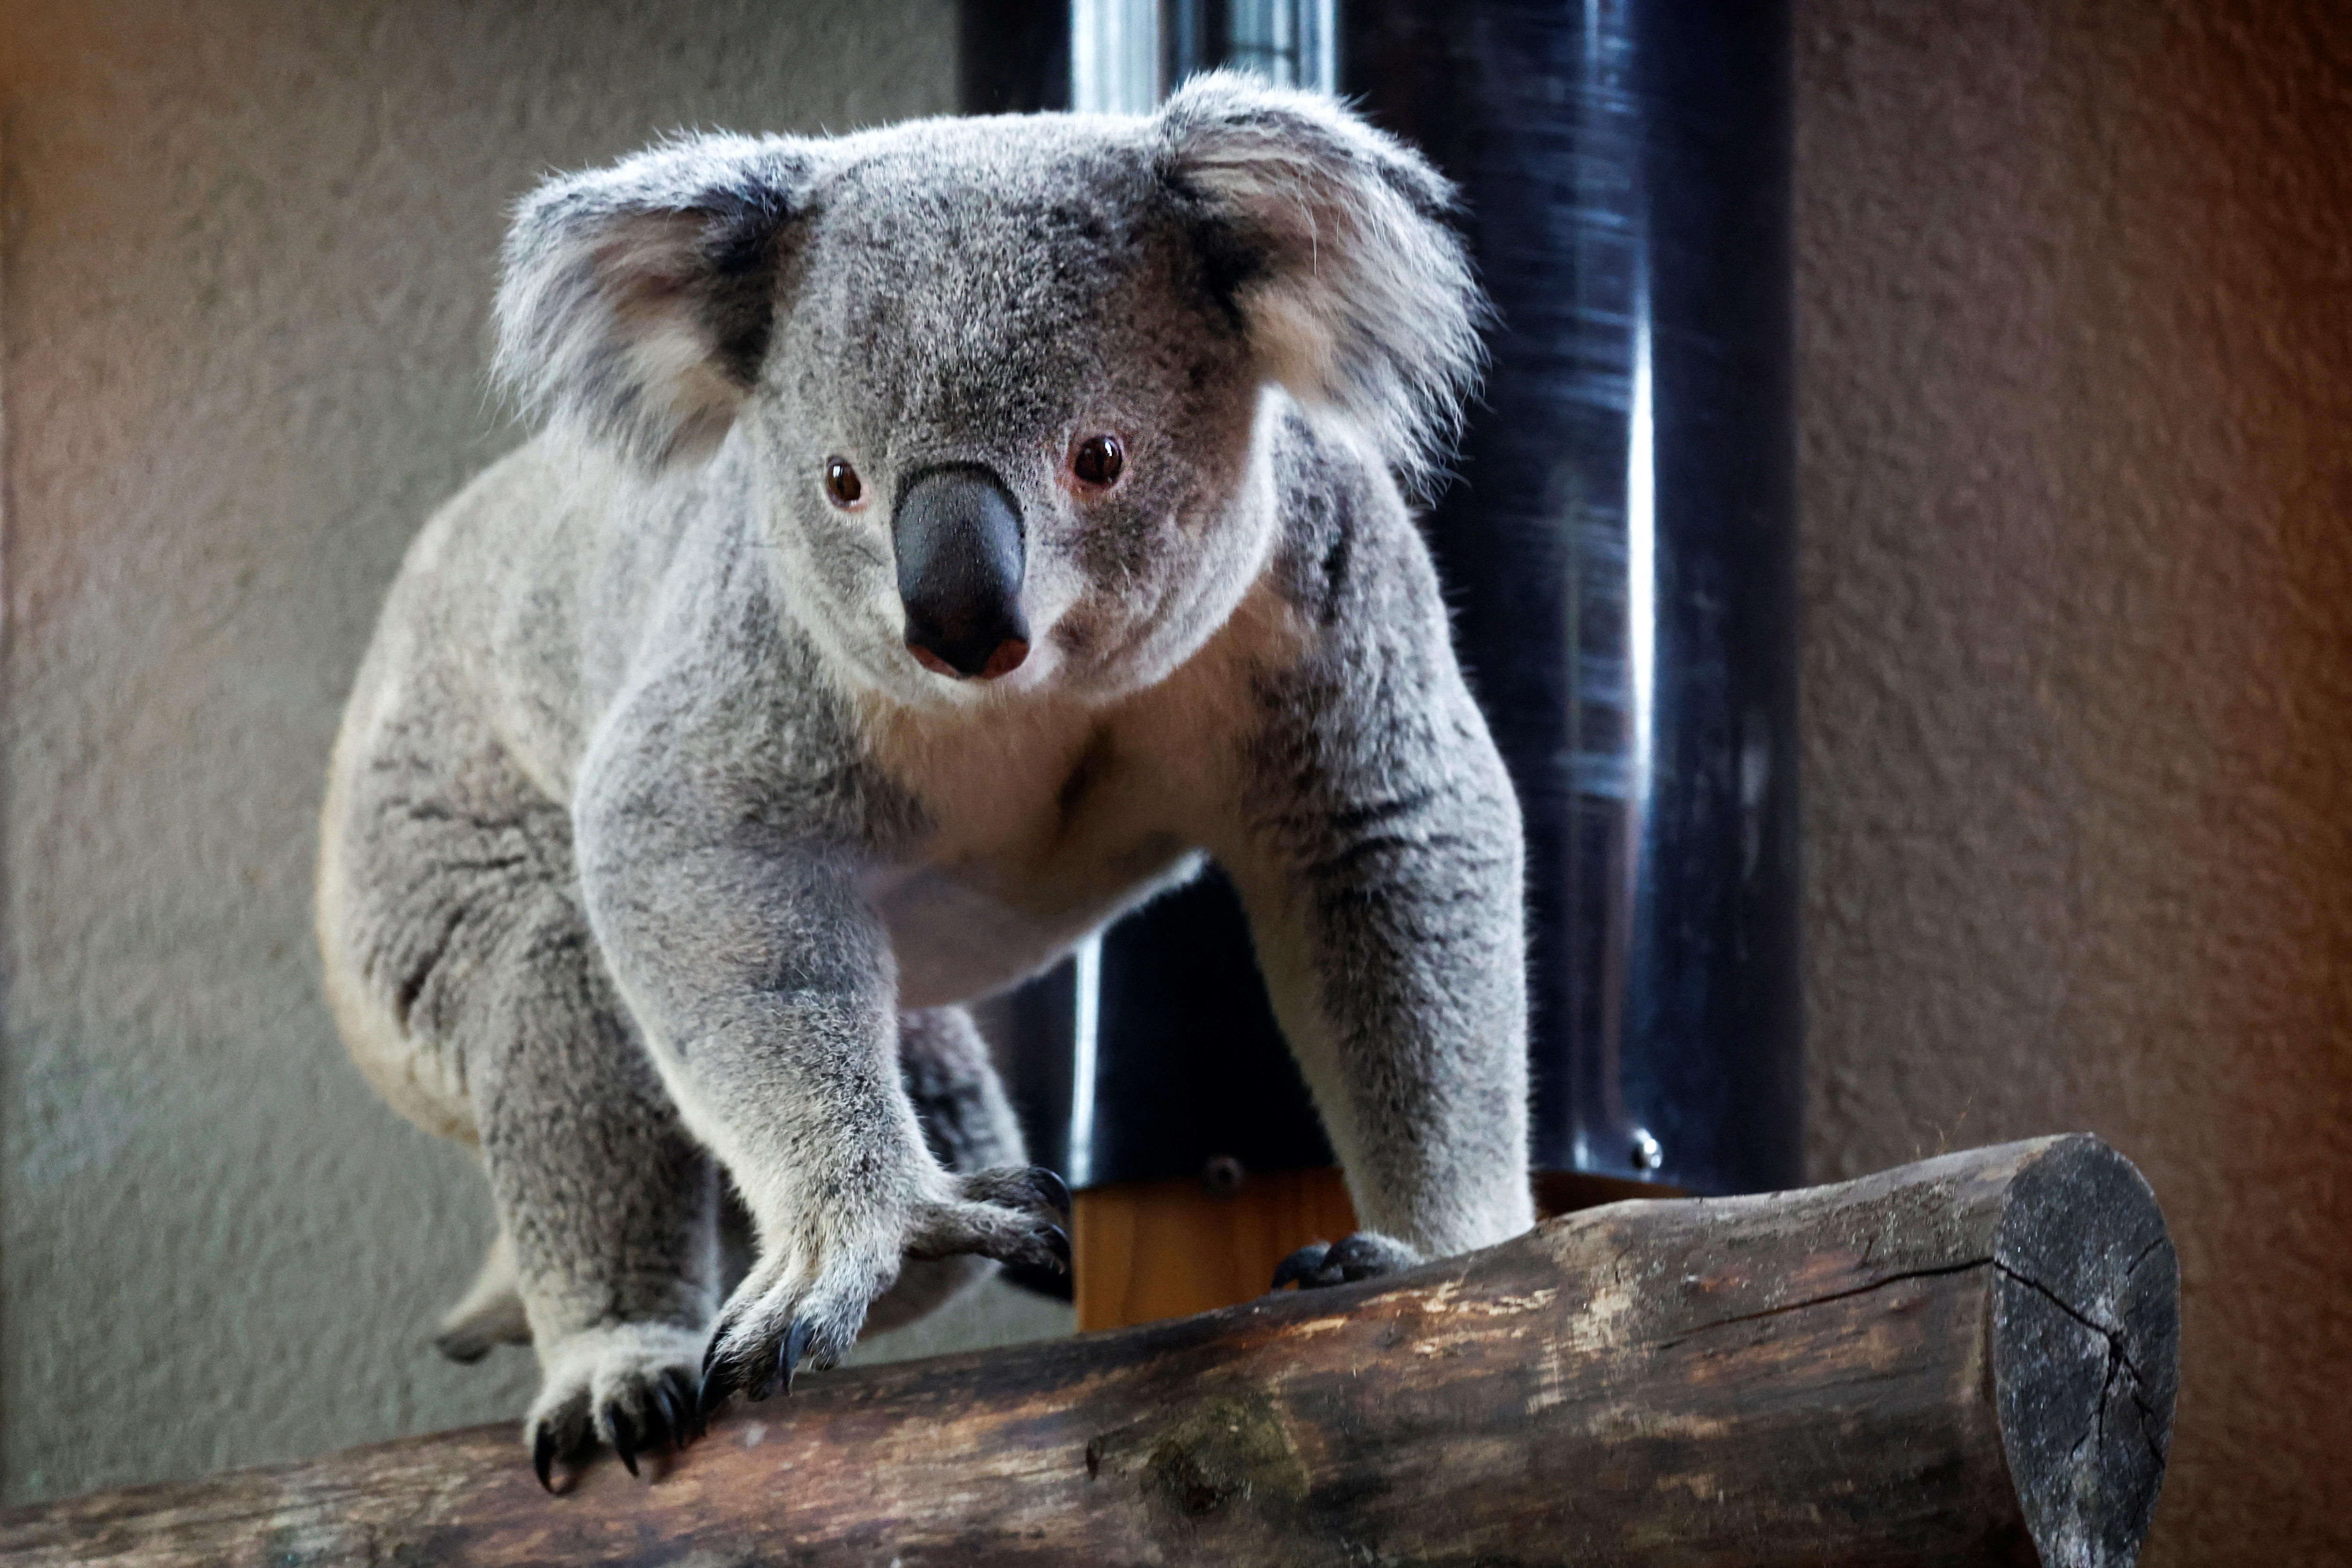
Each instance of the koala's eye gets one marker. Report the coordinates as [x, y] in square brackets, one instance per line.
[1097, 461]
[842, 483]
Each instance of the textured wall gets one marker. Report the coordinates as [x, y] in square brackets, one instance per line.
[2075, 300]
[2076, 316]
[248, 255]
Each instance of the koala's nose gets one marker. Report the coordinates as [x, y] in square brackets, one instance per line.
[961, 559]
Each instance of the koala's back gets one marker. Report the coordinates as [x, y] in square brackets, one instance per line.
[521, 602]
[511, 625]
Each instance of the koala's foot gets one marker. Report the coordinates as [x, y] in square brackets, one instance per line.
[630, 1385]
[471, 1332]
[491, 1313]
[1363, 1256]
[792, 1313]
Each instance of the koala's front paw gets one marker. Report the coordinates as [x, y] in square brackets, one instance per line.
[1363, 1256]
[803, 1308]
[629, 1385]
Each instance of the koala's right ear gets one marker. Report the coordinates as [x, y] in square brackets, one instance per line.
[637, 301]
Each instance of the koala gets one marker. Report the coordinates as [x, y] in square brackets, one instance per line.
[939, 539]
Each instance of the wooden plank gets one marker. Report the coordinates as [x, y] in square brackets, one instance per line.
[1148, 1250]
[1967, 1361]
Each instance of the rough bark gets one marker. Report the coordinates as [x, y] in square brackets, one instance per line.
[1969, 1360]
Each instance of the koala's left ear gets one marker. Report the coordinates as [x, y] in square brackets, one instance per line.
[1357, 294]
[637, 301]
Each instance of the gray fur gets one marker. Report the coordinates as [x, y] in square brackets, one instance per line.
[655, 863]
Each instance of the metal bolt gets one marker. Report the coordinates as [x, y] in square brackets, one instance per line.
[1647, 1155]
[1222, 1174]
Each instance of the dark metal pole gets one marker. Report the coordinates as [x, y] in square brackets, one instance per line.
[1012, 57]
[1620, 545]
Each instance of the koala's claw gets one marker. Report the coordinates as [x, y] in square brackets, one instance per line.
[789, 1356]
[716, 1384]
[622, 1385]
[675, 1404]
[804, 1313]
[757, 1349]
[1363, 1256]
[1301, 1266]
[1018, 1186]
[999, 1213]
[796, 1344]
[1052, 1191]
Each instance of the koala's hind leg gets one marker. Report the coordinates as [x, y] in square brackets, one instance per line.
[489, 1313]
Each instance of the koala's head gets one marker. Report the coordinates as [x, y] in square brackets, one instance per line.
[1002, 382]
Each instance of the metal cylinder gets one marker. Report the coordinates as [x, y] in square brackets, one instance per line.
[1619, 546]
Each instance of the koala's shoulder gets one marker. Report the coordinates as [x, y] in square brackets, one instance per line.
[1348, 558]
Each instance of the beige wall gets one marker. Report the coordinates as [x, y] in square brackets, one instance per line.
[248, 252]
[2076, 337]
[2075, 316]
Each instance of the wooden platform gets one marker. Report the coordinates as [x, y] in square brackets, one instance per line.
[1149, 1250]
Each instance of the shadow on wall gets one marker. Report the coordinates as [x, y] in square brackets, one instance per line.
[2076, 304]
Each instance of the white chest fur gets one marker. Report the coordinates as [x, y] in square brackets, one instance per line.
[1045, 817]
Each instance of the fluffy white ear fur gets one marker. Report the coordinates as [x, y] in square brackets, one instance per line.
[637, 301]
[1361, 299]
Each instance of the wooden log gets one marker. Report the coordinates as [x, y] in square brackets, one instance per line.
[1967, 1361]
